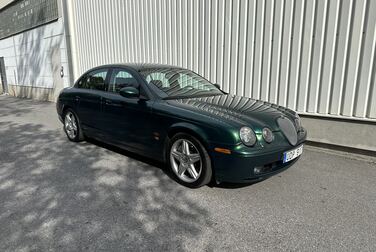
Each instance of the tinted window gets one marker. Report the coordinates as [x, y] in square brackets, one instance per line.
[121, 78]
[94, 80]
[176, 82]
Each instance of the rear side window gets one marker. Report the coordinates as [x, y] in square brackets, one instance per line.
[94, 80]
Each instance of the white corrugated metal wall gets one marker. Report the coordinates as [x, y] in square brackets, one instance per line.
[314, 56]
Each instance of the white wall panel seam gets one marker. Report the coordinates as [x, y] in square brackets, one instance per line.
[250, 49]
[259, 45]
[234, 49]
[371, 110]
[242, 46]
[267, 52]
[354, 57]
[343, 42]
[330, 52]
[276, 52]
[322, 53]
[365, 64]
[372, 100]
[295, 54]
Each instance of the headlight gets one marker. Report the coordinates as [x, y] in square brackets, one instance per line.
[247, 136]
[268, 135]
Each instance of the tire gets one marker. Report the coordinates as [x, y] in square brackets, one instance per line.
[72, 127]
[184, 165]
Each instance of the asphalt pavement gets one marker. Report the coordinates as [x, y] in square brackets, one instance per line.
[56, 195]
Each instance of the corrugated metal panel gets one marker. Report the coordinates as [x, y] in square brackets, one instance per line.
[4, 3]
[314, 56]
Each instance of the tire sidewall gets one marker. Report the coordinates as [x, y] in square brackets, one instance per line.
[206, 172]
[78, 137]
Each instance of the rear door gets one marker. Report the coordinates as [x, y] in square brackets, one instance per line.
[92, 87]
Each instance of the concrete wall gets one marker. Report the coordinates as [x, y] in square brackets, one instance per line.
[34, 60]
[341, 132]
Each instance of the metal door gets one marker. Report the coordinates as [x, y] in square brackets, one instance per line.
[3, 76]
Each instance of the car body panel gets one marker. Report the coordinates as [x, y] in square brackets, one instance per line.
[129, 120]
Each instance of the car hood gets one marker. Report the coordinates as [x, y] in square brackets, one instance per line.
[236, 110]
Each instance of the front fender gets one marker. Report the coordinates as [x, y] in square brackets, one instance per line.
[207, 134]
[191, 129]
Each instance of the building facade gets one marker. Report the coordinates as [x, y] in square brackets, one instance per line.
[314, 56]
[33, 48]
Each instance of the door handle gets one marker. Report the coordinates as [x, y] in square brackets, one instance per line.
[108, 102]
[77, 98]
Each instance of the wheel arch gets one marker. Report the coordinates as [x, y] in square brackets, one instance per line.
[196, 132]
[65, 108]
[187, 128]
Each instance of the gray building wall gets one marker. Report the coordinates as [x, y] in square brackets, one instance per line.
[34, 60]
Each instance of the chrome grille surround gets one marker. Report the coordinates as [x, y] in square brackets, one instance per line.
[288, 129]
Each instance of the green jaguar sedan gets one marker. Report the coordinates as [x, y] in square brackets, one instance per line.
[174, 115]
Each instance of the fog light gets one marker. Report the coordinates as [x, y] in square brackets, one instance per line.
[257, 170]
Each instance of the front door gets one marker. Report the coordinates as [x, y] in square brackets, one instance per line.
[127, 118]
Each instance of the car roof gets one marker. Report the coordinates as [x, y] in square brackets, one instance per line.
[139, 66]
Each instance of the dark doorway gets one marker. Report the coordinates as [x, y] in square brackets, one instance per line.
[3, 76]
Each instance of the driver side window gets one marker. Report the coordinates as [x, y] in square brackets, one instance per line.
[121, 78]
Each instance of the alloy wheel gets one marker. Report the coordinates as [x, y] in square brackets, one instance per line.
[70, 124]
[186, 160]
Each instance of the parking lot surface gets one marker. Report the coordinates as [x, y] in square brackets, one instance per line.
[58, 195]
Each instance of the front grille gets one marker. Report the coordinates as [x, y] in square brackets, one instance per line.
[288, 129]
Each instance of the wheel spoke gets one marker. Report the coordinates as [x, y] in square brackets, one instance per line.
[74, 126]
[181, 169]
[192, 171]
[185, 147]
[193, 158]
[176, 154]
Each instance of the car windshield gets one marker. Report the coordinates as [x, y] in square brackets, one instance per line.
[179, 83]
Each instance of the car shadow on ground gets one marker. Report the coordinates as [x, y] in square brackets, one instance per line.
[58, 195]
[163, 166]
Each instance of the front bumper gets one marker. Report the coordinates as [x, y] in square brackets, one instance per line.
[238, 167]
[59, 110]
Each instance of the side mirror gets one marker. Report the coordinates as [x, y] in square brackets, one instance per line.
[217, 86]
[130, 92]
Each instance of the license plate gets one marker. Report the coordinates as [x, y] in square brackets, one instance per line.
[292, 154]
